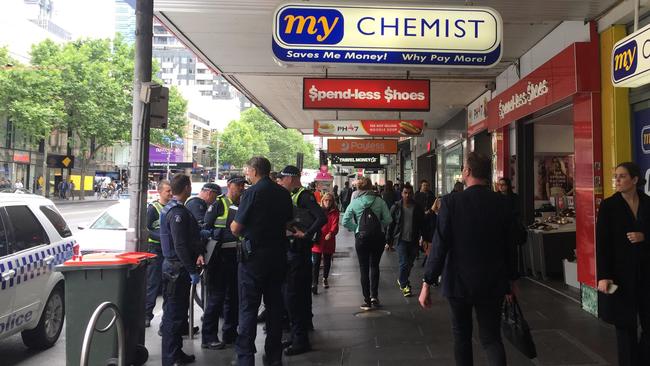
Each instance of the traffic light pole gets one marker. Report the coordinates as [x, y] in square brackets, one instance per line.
[138, 180]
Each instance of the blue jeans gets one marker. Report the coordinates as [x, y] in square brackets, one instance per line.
[407, 252]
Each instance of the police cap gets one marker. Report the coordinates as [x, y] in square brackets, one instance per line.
[212, 187]
[237, 180]
[290, 171]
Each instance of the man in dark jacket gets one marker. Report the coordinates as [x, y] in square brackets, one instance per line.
[408, 226]
[346, 196]
[388, 195]
[473, 251]
[425, 196]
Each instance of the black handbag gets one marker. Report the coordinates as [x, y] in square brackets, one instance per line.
[515, 329]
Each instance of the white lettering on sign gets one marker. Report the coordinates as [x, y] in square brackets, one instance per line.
[389, 95]
[518, 100]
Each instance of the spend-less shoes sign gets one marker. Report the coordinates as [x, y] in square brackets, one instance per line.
[367, 94]
[428, 36]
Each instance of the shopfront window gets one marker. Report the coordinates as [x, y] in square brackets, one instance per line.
[453, 167]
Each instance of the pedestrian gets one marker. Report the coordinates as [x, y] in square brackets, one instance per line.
[335, 194]
[623, 263]
[180, 241]
[198, 205]
[346, 195]
[19, 184]
[425, 197]
[432, 222]
[71, 189]
[472, 250]
[222, 298]
[308, 219]
[154, 269]
[264, 212]
[368, 216]
[388, 194]
[504, 186]
[355, 188]
[408, 226]
[458, 187]
[326, 246]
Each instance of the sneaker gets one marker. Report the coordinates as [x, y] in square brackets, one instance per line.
[399, 284]
[325, 283]
[366, 305]
[375, 302]
[406, 291]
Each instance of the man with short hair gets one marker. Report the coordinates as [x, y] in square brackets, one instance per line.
[308, 219]
[221, 296]
[154, 269]
[262, 217]
[425, 196]
[473, 251]
[346, 195]
[180, 241]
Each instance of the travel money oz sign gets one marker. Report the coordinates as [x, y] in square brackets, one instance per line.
[388, 35]
[366, 94]
[631, 59]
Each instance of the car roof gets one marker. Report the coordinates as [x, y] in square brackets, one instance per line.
[23, 198]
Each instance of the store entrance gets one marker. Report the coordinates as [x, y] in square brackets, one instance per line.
[546, 153]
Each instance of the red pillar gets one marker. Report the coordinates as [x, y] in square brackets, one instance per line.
[500, 153]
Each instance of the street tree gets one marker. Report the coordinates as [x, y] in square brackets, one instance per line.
[240, 141]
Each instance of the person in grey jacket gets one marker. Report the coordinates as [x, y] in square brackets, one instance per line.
[370, 246]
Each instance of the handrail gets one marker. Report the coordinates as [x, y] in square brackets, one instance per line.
[90, 330]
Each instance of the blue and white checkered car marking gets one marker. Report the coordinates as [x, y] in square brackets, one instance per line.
[29, 266]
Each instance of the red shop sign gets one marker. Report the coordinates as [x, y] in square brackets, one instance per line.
[21, 157]
[559, 78]
[366, 94]
[364, 127]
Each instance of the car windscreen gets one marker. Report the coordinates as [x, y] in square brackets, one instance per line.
[115, 218]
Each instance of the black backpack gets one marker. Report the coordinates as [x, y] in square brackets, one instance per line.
[369, 224]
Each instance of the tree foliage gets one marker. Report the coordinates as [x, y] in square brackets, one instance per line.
[255, 133]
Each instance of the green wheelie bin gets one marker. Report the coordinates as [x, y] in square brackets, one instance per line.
[90, 280]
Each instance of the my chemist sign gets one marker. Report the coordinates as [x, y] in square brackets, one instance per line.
[388, 35]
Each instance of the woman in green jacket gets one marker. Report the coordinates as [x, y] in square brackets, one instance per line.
[369, 238]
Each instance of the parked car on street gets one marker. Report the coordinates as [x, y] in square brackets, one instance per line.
[34, 238]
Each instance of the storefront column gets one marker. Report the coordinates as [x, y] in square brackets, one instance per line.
[615, 111]
[588, 189]
[500, 154]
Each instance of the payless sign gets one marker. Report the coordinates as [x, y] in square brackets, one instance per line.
[367, 94]
[388, 35]
[361, 146]
[631, 60]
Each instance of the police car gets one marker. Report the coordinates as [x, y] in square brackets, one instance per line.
[34, 238]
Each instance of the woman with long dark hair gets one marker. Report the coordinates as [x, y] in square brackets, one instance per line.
[623, 255]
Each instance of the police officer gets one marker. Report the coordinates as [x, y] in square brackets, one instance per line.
[154, 270]
[180, 241]
[262, 217]
[222, 268]
[199, 204]
[308, 219]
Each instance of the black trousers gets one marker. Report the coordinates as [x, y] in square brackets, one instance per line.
[369, 253]
[176, 292]
[297, 295]
[327, 264]
[632, 349]
[222, 298]
[488, 316]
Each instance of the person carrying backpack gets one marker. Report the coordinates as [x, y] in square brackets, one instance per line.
[367, 216]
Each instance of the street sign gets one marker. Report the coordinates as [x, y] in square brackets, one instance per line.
[60, 161]
[154, 165]
[365, 160]
[631, 59]
[366, 94]
[384, 128]
[361, 146]
[423, 35]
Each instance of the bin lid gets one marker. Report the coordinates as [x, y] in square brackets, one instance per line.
[108, 259]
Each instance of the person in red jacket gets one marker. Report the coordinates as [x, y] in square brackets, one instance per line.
[326, 246]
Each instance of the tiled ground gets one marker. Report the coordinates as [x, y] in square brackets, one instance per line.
[565, 335]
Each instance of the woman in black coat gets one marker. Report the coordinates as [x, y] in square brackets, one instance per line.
[623, 259]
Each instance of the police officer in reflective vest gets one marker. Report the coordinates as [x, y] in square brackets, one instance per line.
[199, 204]
[308, 219]
[262, 217]
[154, 269]
[180, 241]
[222, 268]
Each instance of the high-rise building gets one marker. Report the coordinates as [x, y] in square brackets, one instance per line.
[125, 19]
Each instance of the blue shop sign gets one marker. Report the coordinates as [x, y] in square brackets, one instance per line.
[469, 37]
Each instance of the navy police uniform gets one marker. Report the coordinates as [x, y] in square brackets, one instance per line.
[309, 218]
[180, 241]
[197, 206]
[154, 269]
[222, 298]
[264, 211]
